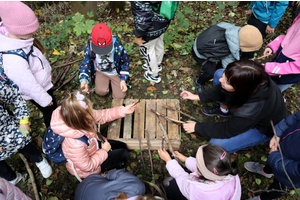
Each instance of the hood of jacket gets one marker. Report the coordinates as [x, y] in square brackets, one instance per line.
[8, 43]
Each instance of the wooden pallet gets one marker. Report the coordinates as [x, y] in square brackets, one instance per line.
[128, 128]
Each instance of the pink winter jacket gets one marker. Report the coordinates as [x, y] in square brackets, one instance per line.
[86, 160]
[11, 192]
[33, 78]
[290, 48]
[194, 189]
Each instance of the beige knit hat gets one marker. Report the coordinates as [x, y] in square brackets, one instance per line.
[250, 39]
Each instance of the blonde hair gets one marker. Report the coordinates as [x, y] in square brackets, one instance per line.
[75, 115]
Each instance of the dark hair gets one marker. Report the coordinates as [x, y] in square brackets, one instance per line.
[245, 76]
[212, 158]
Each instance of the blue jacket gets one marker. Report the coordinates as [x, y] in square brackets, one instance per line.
[269, 12]
[289, 132]
[97, 187]
[121, 62]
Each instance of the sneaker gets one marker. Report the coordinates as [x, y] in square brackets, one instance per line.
[44, 168]
[254, 198]
[145, 67]
[17, 179]
[256, 168]
[149, 77]
[214, 111]
[198, 87]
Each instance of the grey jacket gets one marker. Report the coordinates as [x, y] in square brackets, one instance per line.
[232, 38]
[97, 187]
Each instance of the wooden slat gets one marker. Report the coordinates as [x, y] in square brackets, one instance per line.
[128, 121]
[172, 128]
[160, 108]
[139, 127]
[150, 123]
[115, 127]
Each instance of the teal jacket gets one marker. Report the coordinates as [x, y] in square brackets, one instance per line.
[269, 12]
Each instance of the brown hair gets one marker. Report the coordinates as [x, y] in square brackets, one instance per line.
[123, 196]
[245, 76]
[38, 44]
[76, 116]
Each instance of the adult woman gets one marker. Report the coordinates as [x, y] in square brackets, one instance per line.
[253, 99]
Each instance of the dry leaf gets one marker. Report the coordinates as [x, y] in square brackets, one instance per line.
[151, 88]
[57, 53]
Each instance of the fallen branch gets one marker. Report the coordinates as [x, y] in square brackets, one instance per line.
[68, 63]
[258, 58]
[168, 118]
[68, 80]
[150, 155]
[139, 138]
[36, 193]
[173, 108]
[58, 78]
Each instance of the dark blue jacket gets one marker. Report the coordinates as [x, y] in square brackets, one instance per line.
[97, 187]
[289, 132]
[148, 22]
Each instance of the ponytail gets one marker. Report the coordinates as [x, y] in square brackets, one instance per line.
[234, 169]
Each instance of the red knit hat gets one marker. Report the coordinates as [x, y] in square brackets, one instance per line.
[18, 18]
[102, 42]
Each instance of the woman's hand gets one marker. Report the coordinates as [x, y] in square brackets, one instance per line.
[180, 156]
[189, 126]
[268, 52]
[164, 155]
[129, 109]
[85, 86]
[188, 95]
[106, 146]
[123, 86]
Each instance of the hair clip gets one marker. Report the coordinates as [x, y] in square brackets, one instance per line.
[215, 171]
[80, 98]
[223, 155]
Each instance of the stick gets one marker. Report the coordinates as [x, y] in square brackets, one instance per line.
[138, 101]
[258, 58]
[172, 108]
[36, 193]
[139, 138]
[68, 80]
[148, 144]
[68, 63]
[167, 118]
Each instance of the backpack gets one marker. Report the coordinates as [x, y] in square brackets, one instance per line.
[52, 146]
[212, 42]
[168, 9]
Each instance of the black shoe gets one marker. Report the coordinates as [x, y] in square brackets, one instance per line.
[198, 87]
[214, 111]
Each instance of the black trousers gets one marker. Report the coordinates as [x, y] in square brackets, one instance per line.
[117, 158]
[172, 190]
[29, 150]
[48, 110]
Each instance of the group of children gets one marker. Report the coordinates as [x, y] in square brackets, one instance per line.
[245, 91]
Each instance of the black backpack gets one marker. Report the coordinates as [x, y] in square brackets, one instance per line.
[212, 42]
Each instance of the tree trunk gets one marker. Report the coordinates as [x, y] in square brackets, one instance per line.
[117, 4]
[85, 6]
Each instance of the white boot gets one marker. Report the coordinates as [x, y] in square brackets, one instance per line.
[17, 179]
[44, 168]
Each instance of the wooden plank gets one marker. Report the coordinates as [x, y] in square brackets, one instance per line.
[172, 128]
[160, 108]
[150, 123]
[115, 127]
[155, 144]
[127, 131]
[139, 127]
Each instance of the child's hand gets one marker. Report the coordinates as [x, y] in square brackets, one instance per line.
[189, 126]
[138, 41]
[273, 143]
[249, 13]
[26, 126]
[50, 104]
[188, 95]
[180, 156]
[123, 86]
[268, 52]
[106, 146]
[164, 155]
[85, 86]
[129, 109]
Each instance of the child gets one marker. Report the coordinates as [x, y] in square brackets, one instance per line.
[10, 192]
[284, 68]
[288, 134]
[74, 119]
[32, 76]
[236, 39]
[106, 59]
[12, 140]
[213, 175]
[149, 35]
[115, 182]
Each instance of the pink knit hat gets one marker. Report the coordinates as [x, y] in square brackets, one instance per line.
[18, 18]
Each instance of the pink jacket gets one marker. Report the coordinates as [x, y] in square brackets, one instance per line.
[290, 48]
[194, 189]
[33, 79]
[85, 160]
[11, 192]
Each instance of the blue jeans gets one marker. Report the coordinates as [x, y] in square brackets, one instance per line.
[249, 138]
[218, 74]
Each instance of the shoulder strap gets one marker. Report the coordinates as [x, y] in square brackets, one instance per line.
[83, 139]
[20, 52]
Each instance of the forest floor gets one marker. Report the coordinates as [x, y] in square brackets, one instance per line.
[179, 71]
